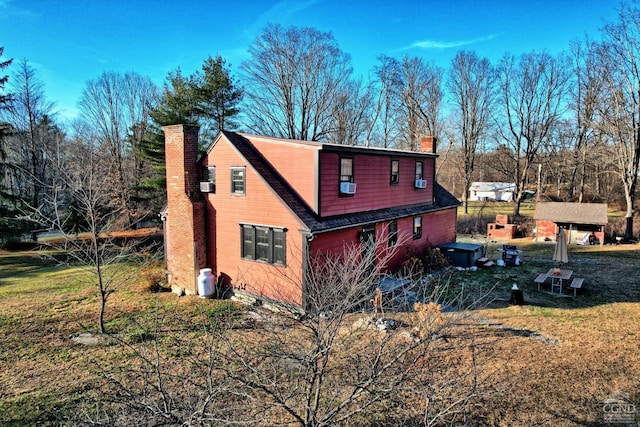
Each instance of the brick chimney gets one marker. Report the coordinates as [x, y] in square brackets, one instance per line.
[185, 224]
[428, 144]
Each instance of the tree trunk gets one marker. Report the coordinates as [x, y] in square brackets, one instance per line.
[465, 196]
[583, 173]
[103, 302]
[628, 232]
[539, 183]
[516, 205]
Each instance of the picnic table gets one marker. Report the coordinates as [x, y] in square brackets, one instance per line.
[558, 276]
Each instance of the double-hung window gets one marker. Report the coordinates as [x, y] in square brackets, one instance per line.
[419, 166]
[346, 169]
[420, 181]
[262, 244]
[265, 244]
[393, 234]
[346, 185]
[238, 183]
[395, 172]
[417, 227]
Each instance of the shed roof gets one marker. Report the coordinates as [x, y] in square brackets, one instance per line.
[572, 213]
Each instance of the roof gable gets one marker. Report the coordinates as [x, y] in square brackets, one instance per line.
[272, 178]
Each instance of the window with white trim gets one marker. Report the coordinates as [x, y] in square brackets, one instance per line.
[346, 169]
[238, 180]
[395, 172]
[417, 227]
[419, 166]
[393, 234]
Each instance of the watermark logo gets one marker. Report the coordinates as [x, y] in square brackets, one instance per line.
[618, 409]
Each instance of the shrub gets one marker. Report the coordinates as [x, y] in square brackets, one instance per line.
[412, 265]
[424, 260]
[155, 280]
[434, 259]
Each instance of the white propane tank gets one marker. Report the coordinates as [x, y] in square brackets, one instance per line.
[205, 283]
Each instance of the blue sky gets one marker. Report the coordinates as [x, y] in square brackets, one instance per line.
[69, 42]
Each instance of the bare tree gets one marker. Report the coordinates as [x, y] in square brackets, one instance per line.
[558, 160]
[532, 90]
[328, 365]
[471, 84]
[409, 102]
[351, 114]
[620, 56]
[586, 92]
[295, 79]
[32, 143]
[385, 123]
[421, 100]
[81, 212]
[111, 106]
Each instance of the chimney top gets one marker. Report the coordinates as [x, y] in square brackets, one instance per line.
[428, 144]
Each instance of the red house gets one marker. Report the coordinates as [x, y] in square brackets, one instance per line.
[255, 208]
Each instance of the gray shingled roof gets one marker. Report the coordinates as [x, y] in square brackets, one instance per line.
[572, 213]
[316, 224]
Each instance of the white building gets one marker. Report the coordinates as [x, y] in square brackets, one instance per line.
[492, 191]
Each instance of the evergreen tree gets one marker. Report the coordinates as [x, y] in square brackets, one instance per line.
[208, 99]
[176, 106]
[216, 96]
[9, 225]
[5, 101]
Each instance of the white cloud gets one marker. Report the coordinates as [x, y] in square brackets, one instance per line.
[281, 12]
[285, 9]
[9, 9]
[431, 44]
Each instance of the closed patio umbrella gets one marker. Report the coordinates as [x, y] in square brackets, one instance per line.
[560, 254]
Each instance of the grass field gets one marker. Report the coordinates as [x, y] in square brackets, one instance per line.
[557, 358]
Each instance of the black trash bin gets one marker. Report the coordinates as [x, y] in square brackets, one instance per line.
[517, 297]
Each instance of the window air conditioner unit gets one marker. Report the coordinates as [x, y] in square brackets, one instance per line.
[421, 183]
[348, 188]
[207, 187]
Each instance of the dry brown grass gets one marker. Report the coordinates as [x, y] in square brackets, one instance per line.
[555, 359]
